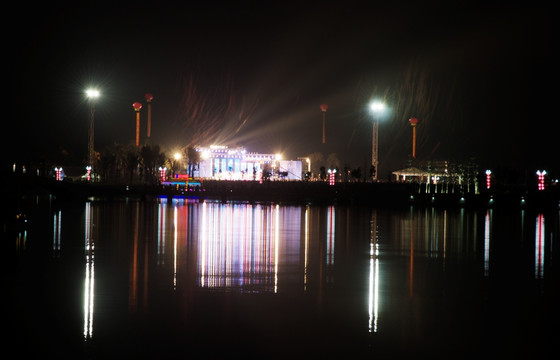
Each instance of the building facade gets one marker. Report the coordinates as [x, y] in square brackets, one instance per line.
[223, 163]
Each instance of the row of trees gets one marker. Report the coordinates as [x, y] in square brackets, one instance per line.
[132, 164]
[320, 171]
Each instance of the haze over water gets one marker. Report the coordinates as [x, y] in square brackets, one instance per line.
[177, 278]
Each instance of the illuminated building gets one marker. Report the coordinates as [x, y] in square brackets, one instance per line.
[224, 163]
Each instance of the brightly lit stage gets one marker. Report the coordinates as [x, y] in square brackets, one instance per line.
[224, 163]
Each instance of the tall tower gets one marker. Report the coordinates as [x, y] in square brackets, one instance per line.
[413, 121]
[149, 97]
[137, 106]
[324, 108]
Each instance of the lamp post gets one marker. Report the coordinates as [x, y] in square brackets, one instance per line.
[377, 108]
[92, 95]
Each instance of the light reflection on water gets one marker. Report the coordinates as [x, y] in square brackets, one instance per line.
[539, 246]
[370, 271]
[89, 281]
[238, 246]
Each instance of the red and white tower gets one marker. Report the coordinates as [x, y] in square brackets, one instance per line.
[137, 106]
[149, 97]
[324, 108]
[540, 177]
[413, 121]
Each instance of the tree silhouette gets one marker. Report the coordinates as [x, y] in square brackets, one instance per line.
[193, 159]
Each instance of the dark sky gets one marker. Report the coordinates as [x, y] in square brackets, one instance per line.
[480, 78]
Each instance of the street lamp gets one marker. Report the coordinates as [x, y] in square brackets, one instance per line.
[377, 108]
[92, 95]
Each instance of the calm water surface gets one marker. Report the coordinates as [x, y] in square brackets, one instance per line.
[178, 278]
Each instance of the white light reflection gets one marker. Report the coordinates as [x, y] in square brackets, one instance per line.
[330, 235]
[539, 247]
[89, 273]
[175, 225]
[133, 282]
[373, 298]
[487, 235]
[162, 219]
[56, 232]
[203, 245]
[373, 287]
[276, 241]
[444, 234]
[306, 248]
[240, 245]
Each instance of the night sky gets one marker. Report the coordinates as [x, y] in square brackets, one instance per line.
[480, 79]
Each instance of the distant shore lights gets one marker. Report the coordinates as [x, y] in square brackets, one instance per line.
[332, 176]
[162, 172]
[488, 178]
[88, 173]
[540, 175]
[58, 173]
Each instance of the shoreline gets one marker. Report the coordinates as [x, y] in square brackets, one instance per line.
[390, 194]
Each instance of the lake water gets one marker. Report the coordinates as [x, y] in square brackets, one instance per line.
[177, 278]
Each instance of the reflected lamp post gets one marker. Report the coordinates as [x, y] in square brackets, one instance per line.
[377, 108]
[92, 95]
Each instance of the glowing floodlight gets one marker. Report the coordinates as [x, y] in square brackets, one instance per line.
[377, 108]
[92, 93]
